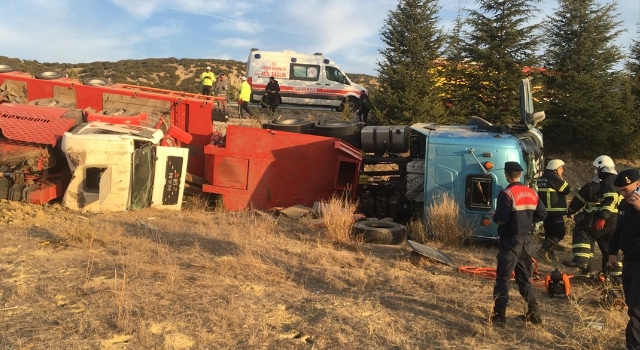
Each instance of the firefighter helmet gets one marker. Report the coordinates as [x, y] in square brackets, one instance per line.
[604, 162]
[554, 164]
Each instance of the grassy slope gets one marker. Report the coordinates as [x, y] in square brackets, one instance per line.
[205, 280]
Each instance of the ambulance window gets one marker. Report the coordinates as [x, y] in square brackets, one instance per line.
[304, 72]
[334, 74]
[478, 192]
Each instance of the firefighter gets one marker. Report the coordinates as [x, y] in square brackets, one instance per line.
[626, 237]
[553, 189]
[600, 220]
[517, 208]
[208, 79]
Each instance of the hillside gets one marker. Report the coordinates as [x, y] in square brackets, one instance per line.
[164, 73]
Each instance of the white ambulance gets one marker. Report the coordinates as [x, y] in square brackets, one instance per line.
[304, 79]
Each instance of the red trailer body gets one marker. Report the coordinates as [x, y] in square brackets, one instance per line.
[263, 168]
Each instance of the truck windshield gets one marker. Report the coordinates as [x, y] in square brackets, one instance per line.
[142, 177]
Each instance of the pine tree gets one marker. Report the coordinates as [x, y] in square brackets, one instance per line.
[409, 80]
[633, 65]
[499, 45]
[585, 112]
[456, 73]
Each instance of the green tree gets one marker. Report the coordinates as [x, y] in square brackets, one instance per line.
[408, 89]
[633, 65]
[499, 44]
[588, 108]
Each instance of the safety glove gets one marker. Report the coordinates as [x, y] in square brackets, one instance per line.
[599, 224]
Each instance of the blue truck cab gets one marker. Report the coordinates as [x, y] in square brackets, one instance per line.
[464, 161]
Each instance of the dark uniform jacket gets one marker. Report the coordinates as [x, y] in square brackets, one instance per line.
[586, 197]
[518, 207]
[626, 236]
[553, 191]
[608, 198]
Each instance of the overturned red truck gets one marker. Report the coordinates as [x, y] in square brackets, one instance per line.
[101, 147]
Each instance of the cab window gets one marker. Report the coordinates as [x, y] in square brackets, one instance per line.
[306, 72]
[334, 74]
[478, 192]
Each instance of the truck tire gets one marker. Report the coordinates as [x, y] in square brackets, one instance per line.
[50, 75]
[76, 115]
[50, 102]
[347, 131]
[4, 68]
[379, 232]
[301, 126]
[95, 81]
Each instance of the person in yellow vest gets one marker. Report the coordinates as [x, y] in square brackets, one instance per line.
[207, 78]
[244, 97]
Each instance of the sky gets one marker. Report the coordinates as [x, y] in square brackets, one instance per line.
[347, 31]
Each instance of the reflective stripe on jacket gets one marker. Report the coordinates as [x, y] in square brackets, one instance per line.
[553, 191]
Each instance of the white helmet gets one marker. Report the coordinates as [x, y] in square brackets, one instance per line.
[603, 162]
[208, 68]
[554, 164]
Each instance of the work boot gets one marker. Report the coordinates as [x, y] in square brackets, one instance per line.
[576, 262]
[532, 315]
[546, 251]
[498, 318]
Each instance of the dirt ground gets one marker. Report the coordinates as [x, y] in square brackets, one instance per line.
[199, 279]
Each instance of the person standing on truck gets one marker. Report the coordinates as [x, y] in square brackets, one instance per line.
[553, 191]
[599, 225]
[365, 107]
[273, 90]
[244, 97]
[207, 78]
[221, 87]
[626, 237]
[517, 208]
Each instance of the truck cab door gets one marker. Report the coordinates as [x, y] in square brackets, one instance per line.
[169, 177]
[105, 186]
[526, 103]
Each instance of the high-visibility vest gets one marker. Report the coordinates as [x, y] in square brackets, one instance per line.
[207, 78]
[245, 91]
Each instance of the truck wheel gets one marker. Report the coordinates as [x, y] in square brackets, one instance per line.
[350, 102]
[76, 115]
[50, 102]
[380, 232]
[4, 68]
[347, 131]
[50, 75]
[301, 126]
[94, 81]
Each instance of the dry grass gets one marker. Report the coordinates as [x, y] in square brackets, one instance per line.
[337, 216]
[246, 280]
[444, 222]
